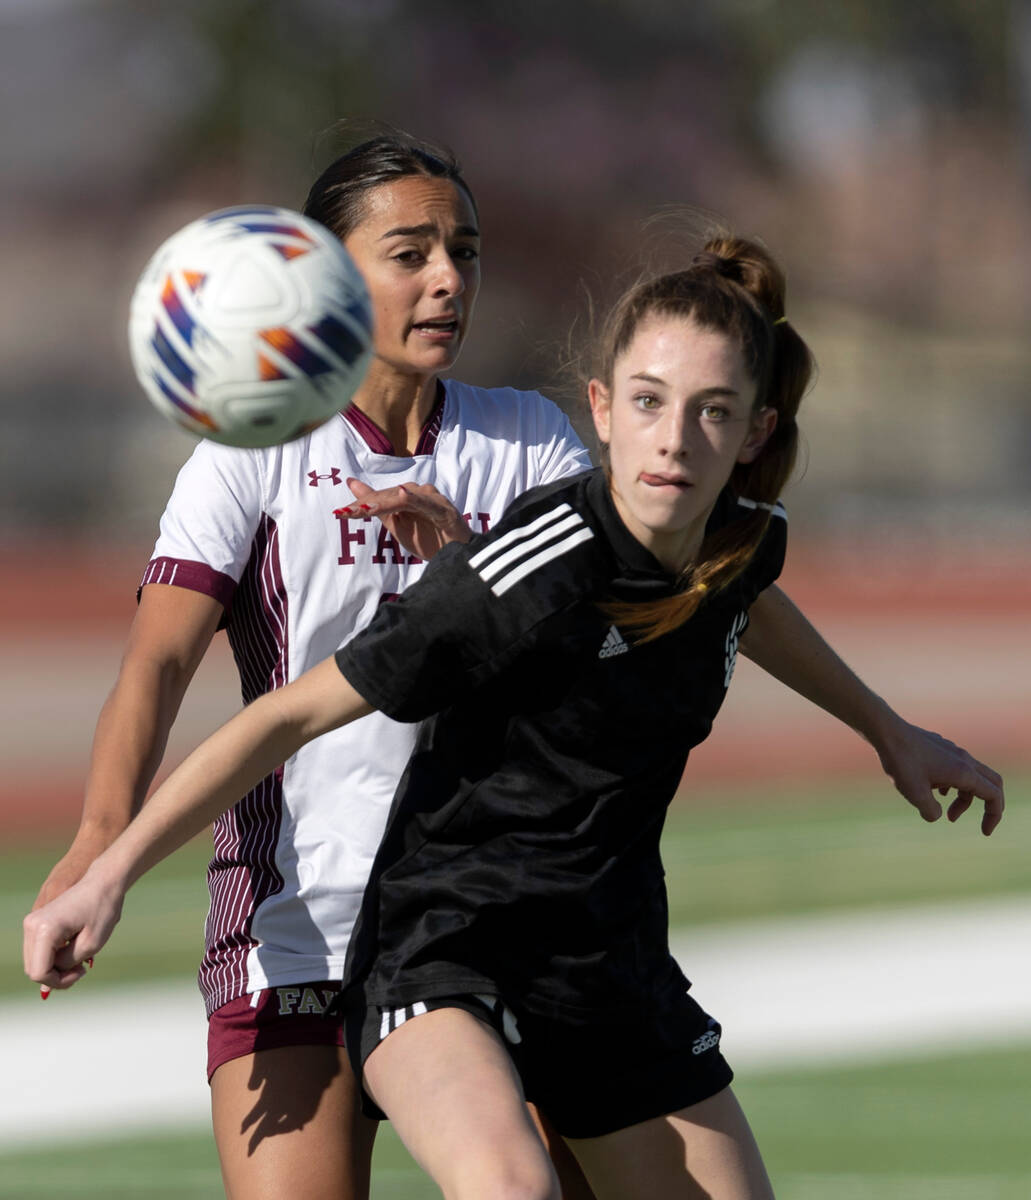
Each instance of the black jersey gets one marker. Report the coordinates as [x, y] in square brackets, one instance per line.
[522, 853]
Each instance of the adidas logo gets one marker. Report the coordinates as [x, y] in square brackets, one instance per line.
[613, 644]
[708, 1041]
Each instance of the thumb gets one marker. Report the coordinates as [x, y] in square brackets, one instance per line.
[359, 489]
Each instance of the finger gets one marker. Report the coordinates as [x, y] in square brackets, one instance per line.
[960, 805]
[993, 810]
[47, 947]
[359, 488]
[60, 981]
[922, 799]
[977, 780]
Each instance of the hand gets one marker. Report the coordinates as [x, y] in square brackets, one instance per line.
[416, 514]
[921, 763]
[61, 938]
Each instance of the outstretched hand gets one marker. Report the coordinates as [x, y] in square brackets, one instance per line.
[921, 764]
[416, 514]
[61, 938]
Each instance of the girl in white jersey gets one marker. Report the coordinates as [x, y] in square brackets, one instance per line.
[253, 541]
[512, 939]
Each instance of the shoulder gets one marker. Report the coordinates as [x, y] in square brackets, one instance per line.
[504, 408]
[547, 551]
[767, 561]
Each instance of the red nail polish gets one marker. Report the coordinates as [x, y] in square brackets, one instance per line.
[342, 512]
[44, 991]
[89, 963]
[365, 508]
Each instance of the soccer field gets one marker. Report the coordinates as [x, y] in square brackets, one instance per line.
[942, 1129]
[945, 1123]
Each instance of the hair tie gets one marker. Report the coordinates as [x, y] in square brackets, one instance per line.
[781, 321]
[709, 260]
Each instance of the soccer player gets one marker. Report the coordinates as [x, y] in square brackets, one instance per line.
[251, 542]
[513, 939]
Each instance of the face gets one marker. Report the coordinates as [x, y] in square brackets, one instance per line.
[677, 417]
[418, 247]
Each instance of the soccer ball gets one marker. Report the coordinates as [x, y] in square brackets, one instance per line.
[250, 326]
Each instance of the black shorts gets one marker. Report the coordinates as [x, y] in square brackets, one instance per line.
[588, 1079]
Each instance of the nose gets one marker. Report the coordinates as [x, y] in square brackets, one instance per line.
[447, 279]
[675, 432]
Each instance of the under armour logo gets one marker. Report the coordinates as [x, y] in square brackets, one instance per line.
[333, 474]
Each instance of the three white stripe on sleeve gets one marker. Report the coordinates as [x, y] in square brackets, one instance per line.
[520, 552]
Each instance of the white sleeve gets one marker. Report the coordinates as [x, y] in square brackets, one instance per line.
[559, 451]
[214, 511]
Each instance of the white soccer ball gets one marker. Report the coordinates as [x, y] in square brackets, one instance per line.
[250, 326]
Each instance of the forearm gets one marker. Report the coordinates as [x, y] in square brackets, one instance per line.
[783, 643]
[128, 745]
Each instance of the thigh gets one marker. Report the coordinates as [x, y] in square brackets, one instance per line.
[449, 1088]
[572, 1180]
[705, 1150]
[288, 1121]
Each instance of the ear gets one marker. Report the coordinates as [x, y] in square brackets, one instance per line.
[598, 395]
[764, 422]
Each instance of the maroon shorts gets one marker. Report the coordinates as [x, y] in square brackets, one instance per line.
[291, 1015]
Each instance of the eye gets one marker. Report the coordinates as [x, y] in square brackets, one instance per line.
[465, 253]
[647, 401]
[408, 258]
[712, 411]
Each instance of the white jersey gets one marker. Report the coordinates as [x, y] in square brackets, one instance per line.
[256, 530]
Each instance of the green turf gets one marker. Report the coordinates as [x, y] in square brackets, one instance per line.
[940, 1129]
[738, 855]
[833, 846]
[161, 934]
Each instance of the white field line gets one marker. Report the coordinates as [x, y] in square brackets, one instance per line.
[810, 991]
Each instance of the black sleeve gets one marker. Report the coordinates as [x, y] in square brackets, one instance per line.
[453, 630]
[768, 560]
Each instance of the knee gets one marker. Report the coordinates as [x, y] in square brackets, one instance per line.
[519, 1181]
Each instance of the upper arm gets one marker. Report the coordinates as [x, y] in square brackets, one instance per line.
[172, 630]
[211, 517]
[763, 616]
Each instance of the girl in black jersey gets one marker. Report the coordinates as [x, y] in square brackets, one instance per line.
[513, 937]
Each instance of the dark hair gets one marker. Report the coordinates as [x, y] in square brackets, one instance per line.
[337, 197]
[733, 286]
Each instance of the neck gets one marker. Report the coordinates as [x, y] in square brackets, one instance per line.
[676, 550]
[399, 404]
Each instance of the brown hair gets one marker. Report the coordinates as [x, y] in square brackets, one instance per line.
[338, 197]
[733, 286]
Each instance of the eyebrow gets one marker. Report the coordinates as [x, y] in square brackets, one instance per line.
[423, 230]
[712, 391]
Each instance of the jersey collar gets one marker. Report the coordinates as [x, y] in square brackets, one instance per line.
[640, 569]
[379, 443]
[641, 572]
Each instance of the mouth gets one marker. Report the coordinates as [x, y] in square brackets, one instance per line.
[676, 483]
[438, 329]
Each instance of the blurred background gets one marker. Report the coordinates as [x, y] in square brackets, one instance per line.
[882, 150]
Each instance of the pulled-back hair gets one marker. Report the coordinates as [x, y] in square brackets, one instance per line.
[338, 197]
[735, 287]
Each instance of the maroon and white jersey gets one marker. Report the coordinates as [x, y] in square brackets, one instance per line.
[256, 530]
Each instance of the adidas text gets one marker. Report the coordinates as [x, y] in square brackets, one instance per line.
[708, 1041]
[613, 644]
